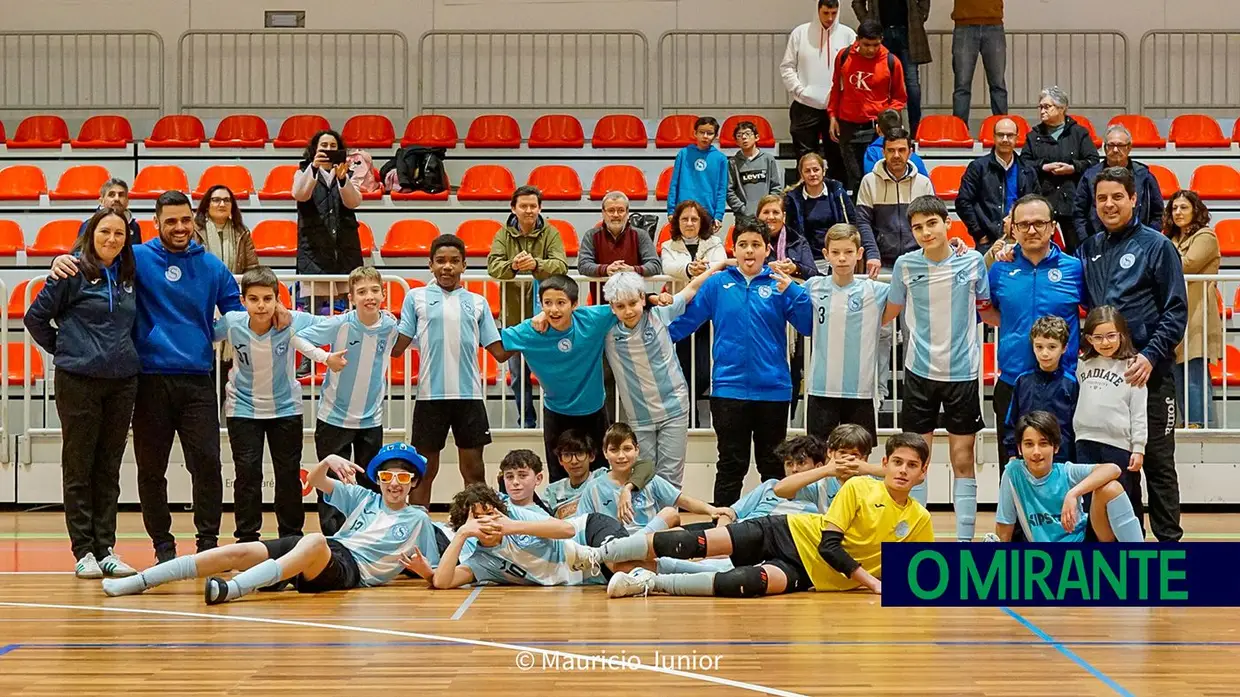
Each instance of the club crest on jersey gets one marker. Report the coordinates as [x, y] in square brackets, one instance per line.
[1127, 261]
[962, 278]
[854, 302]
[700, 165]
[648, 334]
[902, 529]
[1055, 275]
[173, 274]
[381, 347]
[565, 345]
[765, 292]
[282, 348]
[399, 532]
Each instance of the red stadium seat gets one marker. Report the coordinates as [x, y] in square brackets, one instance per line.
[568, 235]
[986, 133]
[1089, 126]
[1228, 233]
[1168, 183]
[1232, 374]
[943, 131]
[486, 183]
[1223, 310]
[409, 238]
[154, 180]
[177, 131]
[44, 131]
[557, 131]
[80, 183]
[665, 235]
[624, 178]
[368, 131]
[17, 363]
[2, 136]
[279, 184]
[1235, 132]
[477, 235]
[493, 131]
[490, 368]
[766, 136]
[366, 237]
[675, 131]
[430, 131]
[148, 229]
[12, 239]
[663, 189]
[1197, 131]
[275, 238]
[22, 183]
[958, 230]
[1216, 183]
[396, 373]
[1143, 129]
[556, 182]
[286, 298]
[105, 131]
[297, 130]
[424, 196]
[489, 290]
[240, 131]
[619, 131]
[235, 177]
[55, 238]
[990, 368]
[946, 181]
[18, 302]
[394, 295]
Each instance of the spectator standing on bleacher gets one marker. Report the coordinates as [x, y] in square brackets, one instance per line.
[1186, 223]
[868, 80]
[807, 69]
[327, 228]
[1118, 148]
[752, 173]
[990, 187]
[884, 124]
[979, 30]
[815, 205]
[530, 249]
[219, 228]
[1060, 150]
[701, 173]
[114, 195]
[904, 34]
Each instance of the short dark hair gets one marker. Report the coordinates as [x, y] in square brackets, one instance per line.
[706, 121]
[559, 282]
[85, 245]
[312, 145]
[912, 441]
[171, 198]
[898, 133]
[447, 241]
[851, 437]
[260, 276]
[798, 448]
[927, 205]
[833, 4]
[1050, 327]
[756, 227]
[745, 126]
[516, 459]
[888, 120]
[574, 442]
[470, 496]
[617, 434]
[1032, 198]
[870, 29]
[1119, 175]
[525, 190]
[1043, 422]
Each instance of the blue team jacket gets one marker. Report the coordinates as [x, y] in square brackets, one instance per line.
[93, 335]
[1022, 293]
[750, 349]
[1038, 390]
[702, 176]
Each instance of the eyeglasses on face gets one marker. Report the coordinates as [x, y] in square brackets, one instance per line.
[1104, 338]
[1039, 225]
[220, 201]
[1048, 106]
[387, 476]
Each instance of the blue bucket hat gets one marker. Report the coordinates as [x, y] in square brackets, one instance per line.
[396, 451]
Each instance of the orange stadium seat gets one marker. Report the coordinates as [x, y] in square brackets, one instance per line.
[623, 178]
[1197, 131]
[275, 238]
[619, 131]
[286, 298]
[1235, 132]
[556, 182]
[493, 131]
[366, 237]
[557, 131]
[568, 235]
[177, 131]
[396, 373]
[961, 232]
[148, 229]
[430, 131]
[394, 295]
[55, 238]
[297, 130]
[12, 239]
[1089, 126]
[235, 177]
[486, 183]
[154, 180]
[22, 183]
[1168, 183]
[943, 131]
[1223, 310]
[1216, 183]
[18, 302]
[477, 235]
[490, 291]
[80, 183]
[1232, 374]
[17, 363]
[990, 367]
[104, 131]
[424, 196]
[44, 131]
[240, 131]
[409, 238]
[279, 184]
[1228, 233]
[946, 181]
[1143, 129]
[2, 137]
[675, 131]
[368, 131]
[664, 187]
[986, 133]
[766, 136]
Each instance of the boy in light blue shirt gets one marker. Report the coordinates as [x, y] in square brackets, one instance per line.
[700, 173]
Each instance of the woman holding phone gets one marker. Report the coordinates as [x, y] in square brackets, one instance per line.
[327, 236]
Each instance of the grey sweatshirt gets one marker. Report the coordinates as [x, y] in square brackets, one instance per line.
[750, 180]
[1109, 410]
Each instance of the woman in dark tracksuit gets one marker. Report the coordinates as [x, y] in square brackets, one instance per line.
[97, 367]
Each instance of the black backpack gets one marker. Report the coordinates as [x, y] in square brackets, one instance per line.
[418, 169]
[645, 222]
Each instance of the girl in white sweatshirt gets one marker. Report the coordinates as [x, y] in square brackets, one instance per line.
[1110, 419]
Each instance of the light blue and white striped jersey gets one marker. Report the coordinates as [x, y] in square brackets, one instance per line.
[448, 327]
[353, 398]
[1037, 504]
[649, 380]
[561, 493]
[525, 560]
[377, 535]
[262, 383]
[844, 344]
[602, 495]
[940, 313]
[762, 500]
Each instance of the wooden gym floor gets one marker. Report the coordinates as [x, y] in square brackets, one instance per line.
[60, 636]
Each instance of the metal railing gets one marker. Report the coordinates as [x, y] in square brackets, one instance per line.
[721, 70]
[100, 71]
[1186, 70]
[534, 70]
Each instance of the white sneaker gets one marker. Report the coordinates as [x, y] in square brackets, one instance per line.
[87, 567]
[627, 584]
[991, 537]
[588, 560]
[113, 567]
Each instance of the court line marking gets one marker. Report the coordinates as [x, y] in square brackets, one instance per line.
[1067, 652]
[473, 595]
[9, 648]
[607, 643]
[523, 652]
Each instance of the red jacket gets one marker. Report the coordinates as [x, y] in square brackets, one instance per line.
[865, 87]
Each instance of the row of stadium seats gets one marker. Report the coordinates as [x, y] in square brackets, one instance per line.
[1211, 182]
[1187, 131]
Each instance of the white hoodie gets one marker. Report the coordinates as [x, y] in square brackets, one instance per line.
[1109, 410]
[809, 61]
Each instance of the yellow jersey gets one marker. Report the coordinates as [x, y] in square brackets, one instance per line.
[868, 515]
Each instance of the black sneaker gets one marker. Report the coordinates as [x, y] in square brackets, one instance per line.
[165, 554]
[215, 590]
[303, 367]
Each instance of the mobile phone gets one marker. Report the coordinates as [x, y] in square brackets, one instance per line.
[336, 156]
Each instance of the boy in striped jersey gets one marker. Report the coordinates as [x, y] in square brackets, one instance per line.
[941, 295]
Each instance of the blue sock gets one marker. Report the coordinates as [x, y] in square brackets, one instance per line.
[919, 492]
[177, 569]
[668, 565]
[655, 525]
[257, 576]
[965, 503]
[1124, 521]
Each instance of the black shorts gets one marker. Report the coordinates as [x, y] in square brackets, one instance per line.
[922, 398]
[825, 413]
[441, 539]
[432, 418]
[340, 574]
[600, 528]
[767, 540]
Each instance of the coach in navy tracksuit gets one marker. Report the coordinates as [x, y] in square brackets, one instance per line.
[1138, 270]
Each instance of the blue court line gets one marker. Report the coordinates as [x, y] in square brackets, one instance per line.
[473, 595]
[1068, 653]
[9, 648]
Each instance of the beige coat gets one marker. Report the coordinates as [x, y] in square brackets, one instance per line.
[1200, 254]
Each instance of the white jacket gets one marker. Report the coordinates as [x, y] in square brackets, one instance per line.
[1109, 410]
[809, 61]
[676, 256]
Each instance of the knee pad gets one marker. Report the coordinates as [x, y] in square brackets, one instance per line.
[680, 544]
[745, 582]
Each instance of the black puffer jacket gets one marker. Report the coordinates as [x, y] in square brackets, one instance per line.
[1074, 147]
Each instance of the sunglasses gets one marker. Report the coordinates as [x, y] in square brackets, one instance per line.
[387, 476]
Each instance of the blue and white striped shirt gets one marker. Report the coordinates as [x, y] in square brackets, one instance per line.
[525, 560]
[449, 327]
[353, 398]
[262, 383]
[377, 535]
[649, 380]
[602, 495]
[762, 500]
[844, 342]
[940, 311]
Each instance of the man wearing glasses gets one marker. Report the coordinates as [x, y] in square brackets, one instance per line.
[1118, 142]
[991, 186]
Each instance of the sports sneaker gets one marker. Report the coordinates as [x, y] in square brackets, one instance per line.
[626, 584]
[588, 560]
[991, 537]
[113, 567]
[215, 590]
[165, 554]
[87, 567]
